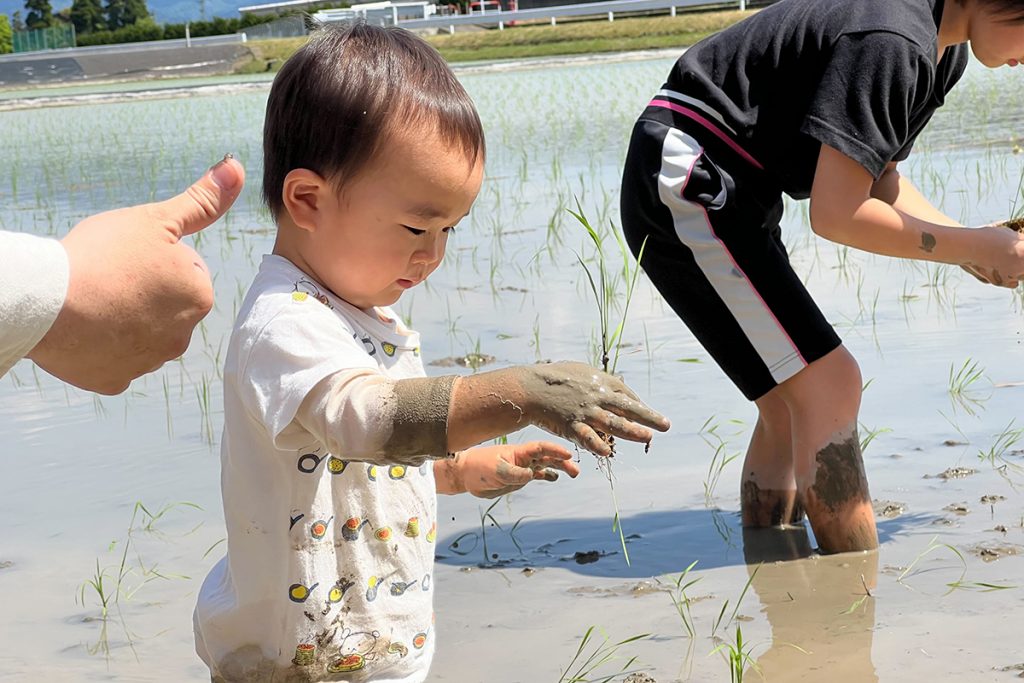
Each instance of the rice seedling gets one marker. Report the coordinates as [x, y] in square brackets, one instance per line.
[736, 607]
[957, 584]
[737, 655]
[592, 656]
[205, 409]
[856, 605]
[721, 457]
[870, 435]
[963, 386]
[479, 538]
[680, 600]
[606, 295]
[719, 461]
[996, 454]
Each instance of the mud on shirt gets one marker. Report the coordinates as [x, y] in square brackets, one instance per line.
[329, 561]
[862, 76]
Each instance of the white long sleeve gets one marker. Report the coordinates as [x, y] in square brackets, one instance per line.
[33, 284]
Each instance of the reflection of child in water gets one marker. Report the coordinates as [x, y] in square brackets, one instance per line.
[821, 619]
[335, 443]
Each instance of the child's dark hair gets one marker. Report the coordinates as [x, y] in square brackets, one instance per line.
[346, 91]
[1012, 10]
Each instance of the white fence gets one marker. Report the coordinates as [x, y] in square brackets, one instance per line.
[552, 14]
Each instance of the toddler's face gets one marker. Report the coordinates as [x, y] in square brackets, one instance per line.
[388, 229]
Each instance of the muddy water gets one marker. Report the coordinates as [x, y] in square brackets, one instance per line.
[73, 467]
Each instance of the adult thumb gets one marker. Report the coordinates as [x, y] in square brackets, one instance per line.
[206, 200]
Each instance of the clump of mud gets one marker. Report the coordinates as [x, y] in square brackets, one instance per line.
[1014, 224]
[890, 509]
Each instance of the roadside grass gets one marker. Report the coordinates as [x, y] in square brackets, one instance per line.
[538, 40]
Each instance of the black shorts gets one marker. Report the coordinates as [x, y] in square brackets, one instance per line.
[710, 214]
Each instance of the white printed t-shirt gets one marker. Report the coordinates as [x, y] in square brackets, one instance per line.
[329, 561]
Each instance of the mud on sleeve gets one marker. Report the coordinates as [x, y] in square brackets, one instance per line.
[365, 415]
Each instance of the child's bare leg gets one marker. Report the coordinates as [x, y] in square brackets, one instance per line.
[824, 399]
[768, 486]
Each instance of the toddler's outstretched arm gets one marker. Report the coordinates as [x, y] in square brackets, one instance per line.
[363, 415]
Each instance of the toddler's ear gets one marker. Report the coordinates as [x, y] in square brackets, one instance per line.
[304, 194]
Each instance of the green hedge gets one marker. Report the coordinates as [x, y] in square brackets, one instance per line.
[147, 29]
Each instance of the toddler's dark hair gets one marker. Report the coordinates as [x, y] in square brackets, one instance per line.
[339, 98]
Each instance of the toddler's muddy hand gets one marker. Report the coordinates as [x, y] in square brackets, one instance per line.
[577, 401]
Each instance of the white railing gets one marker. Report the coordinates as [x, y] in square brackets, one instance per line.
[608, 8]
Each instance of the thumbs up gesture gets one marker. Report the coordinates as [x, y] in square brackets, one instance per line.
[135, 291]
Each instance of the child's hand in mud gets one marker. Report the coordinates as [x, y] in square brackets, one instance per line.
[576, 401]
[493, 471]
[999, 257]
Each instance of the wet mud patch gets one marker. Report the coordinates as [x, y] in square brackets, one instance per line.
[840, 476]
[953, 473]
[587, 556]
[992, 499]
[634, 590]
[990, 551]
[1019, 668]
[638, 677]
[890, 509]
[958, 509]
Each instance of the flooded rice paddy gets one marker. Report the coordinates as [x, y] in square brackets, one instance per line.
[111, 507]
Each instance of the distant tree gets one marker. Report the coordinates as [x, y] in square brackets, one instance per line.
[16, 21]
[40, 14]
[6, 35]
[135, 11]
[87, 16]
[114, 11]
[122, 13]
[62, 16]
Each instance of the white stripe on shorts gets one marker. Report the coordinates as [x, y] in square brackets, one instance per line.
[680, 153]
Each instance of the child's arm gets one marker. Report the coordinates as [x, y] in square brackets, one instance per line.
[844, 210]
[364, 415]
[493, 471]
[895, 189]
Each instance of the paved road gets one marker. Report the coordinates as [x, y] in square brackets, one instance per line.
[55, 67]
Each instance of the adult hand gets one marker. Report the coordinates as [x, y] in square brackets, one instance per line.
[135, 292]
[493, 471]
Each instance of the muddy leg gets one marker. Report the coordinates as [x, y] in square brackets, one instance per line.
[768, 487]
[824, 400]
[838, 502]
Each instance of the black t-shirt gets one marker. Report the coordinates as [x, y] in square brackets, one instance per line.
[859, 75]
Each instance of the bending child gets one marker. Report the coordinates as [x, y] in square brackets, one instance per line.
[817, 99]
[335, 443]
